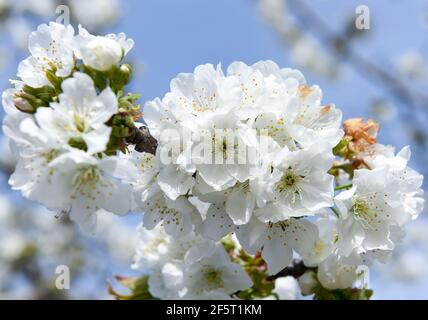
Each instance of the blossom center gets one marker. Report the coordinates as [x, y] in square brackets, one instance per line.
[213, 278]
[79, 122]
[86, 181]
[364, 212]
[289, 184]
[50, 155]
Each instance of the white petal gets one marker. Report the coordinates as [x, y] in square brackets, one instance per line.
[217, 223]
[240, 205]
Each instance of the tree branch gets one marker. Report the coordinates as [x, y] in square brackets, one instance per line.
[143, 140]
[296, 270]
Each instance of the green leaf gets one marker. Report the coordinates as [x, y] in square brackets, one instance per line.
[340, 147]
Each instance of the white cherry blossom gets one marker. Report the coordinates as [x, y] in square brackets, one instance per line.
[209, 274]
[101, 52]
[277, 241]
[51, 48]
[80, 113]
[299, 184]
[380, 200]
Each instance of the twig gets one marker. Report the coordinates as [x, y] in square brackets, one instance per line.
[296, 270]
[143, 140]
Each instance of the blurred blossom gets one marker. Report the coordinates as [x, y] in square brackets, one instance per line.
[305, 50]
[411, 64]
[43, 8]
[410, 261]
[19, 29]
[119, 237]
[383, 111]
[19, 17]
[96, 13]
[33, 243]
[410, 265]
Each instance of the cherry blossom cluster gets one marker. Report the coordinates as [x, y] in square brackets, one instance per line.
[250, 152]
[65, 115]
[282, 124]
[335, 198]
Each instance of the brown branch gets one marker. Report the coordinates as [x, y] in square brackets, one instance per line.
[143, 140]
[296, 270]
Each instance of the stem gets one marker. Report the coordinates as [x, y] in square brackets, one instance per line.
[345, 186]
[335, 212]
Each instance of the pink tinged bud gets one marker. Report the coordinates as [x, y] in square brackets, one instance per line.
[23, 105]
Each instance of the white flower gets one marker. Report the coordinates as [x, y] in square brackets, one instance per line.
[380, 200]
[229, 154]
[264, 87]
[409, 181]
[80, 113]
[279, 101]
[299, 184]
[159, 192]
[177, 216]
[51, 48]
[156, 248]
[146, 170]
[167, 282]
[326, 244]
[333, 273]
[35, 150]
[226, 112]
[217, 223]
[205, 90]
[171, 177]
[190, 267]
[277, 241]
[85, 184]
[101, 52]
[70, 181]
[209, 274]
[301, 122]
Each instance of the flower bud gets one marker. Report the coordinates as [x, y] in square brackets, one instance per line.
[308, 283]
[125, 73]
[122, 125]
[23, 105]
[102, 53]
[27, 103]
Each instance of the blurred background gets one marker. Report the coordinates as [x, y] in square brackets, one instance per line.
[380, 72]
